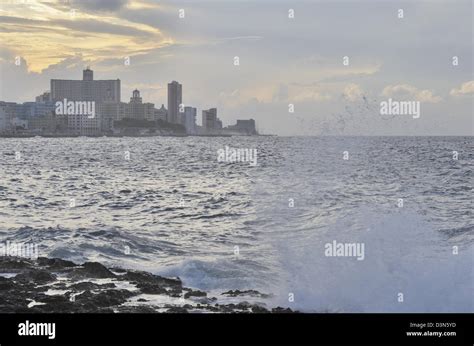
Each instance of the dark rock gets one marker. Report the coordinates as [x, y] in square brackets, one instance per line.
[107, 298]
[37, 276]
[6, 284]
[8, 263]
[83, 286]
[118, 270]
[252, 293]
[177, 310]
[153, 284]
[144, 277]
[34, 278]
[141, 309]
[94, 270]
[55, 263]
[281, 310]
[195, 294]
[259, 309]
[151, 288]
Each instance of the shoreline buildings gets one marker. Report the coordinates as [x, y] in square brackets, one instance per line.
[189, 120]
[111, 115]
[211, 124]
[175, 100]
[87, 89]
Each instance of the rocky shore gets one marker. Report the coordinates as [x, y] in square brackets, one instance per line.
[53, 285]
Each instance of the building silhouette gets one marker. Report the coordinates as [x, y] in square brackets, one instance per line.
[210, 122]
[175, 99]
[246, 127]
[86, 89]
[189, 119]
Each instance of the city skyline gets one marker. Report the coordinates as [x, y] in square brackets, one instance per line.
[297, 62]
[69, 108]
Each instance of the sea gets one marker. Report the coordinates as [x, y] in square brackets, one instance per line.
[168, 205]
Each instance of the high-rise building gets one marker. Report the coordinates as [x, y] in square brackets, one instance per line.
[43, 98]
[135, 97]
[87, 74]
[115, 111]
[246, 127]
[47, 124]
[86, 89]
[3, 119]
[140, 110]
[161, 114]
[210, 121]
[8, 112]
[109, 112]
[175, 98]
[189, 119]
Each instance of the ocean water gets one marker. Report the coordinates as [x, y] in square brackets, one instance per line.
[166, 205]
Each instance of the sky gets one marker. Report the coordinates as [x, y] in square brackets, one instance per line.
[282, 60]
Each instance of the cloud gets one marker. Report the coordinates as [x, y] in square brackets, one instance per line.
[91, 5]
[281, 63]
[465, 89]
[353, 92]
[96, 36]
[405, 91]
[311, 94]
[281, 93]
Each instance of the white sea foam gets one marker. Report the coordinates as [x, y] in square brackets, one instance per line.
[403, 255]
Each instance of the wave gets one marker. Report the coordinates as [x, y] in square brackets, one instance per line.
[222, 274]
[403, 255]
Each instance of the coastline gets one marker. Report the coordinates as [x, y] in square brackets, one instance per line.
[127, 135]
[54, 285]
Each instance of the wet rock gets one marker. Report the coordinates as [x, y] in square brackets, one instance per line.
[94, 270]
[144, 277]
[259, 309]
[177, 310]
[151, 288]
[195, 294]
[118, 270]
[55, 263]
[83, 295]
[142, 309]
[6, 284]
[38, 276]
[8, 263]
[281, 310]
[97, 270]
[153, 284]
[83, 286]
[105, 298]
[252, 293]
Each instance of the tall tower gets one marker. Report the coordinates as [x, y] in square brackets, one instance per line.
[175, 98]
[135, 97]
[87, 74]
[209, 119]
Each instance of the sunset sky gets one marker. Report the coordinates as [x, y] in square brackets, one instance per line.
[282, 60]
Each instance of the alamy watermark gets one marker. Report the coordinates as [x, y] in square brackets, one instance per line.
[66, 107]
[392, 107]
[229, 154]
[336, 249]
[27, 250]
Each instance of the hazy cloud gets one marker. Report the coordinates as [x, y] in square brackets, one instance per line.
[464, 90]
[405, 91]
[282, 60]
